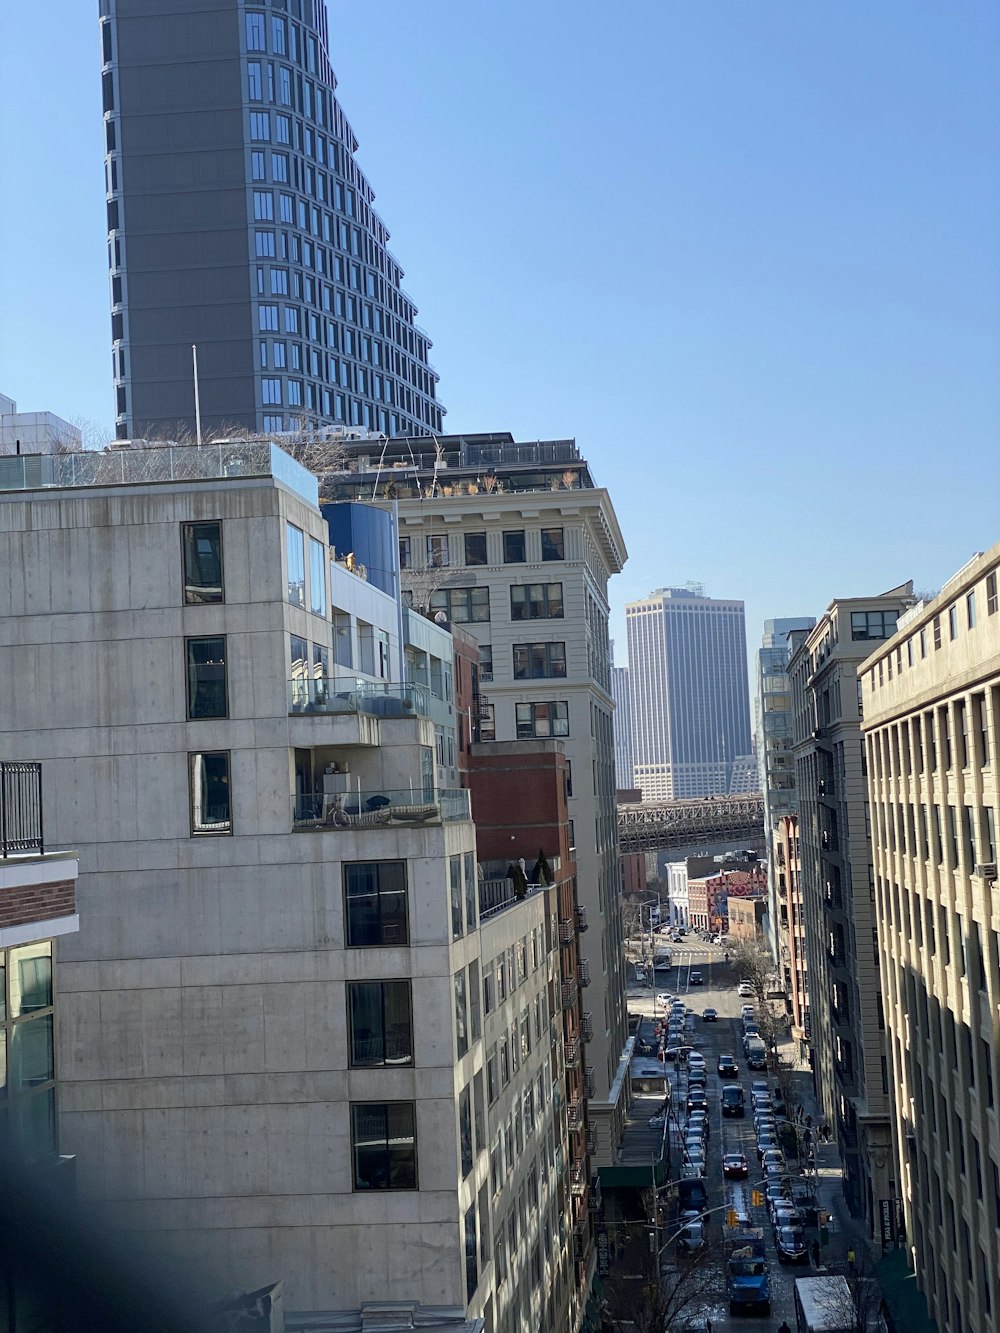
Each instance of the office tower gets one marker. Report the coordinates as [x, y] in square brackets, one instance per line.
[837, 885]
[516, 542]
[34, 432]
[239, 220]
[623, 727]
[777, 781]
[272, 1041]
[687, 657]
[932, 722]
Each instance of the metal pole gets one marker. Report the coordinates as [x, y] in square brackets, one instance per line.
[197, 396]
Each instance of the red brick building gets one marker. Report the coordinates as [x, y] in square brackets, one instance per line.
[708, 899]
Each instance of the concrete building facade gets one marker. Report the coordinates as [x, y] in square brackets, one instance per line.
[516, 542]
[622, 727]
[690, 699]
[837, 878]
[272, 1043]
[932, 732]
[34, 432]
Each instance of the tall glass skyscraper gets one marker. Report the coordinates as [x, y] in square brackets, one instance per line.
[687, 657]
[240, 222]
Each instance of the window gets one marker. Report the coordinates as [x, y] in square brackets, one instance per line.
[475, 548]
[202, 550]
[455, 875]
[279, 167]
[384, 1145]
[254, 81]
[937, 631]
[264, 244]
[487, 722]
[260, 126]
[375, 903]
[462, 605]
[535, 661]
[952, 622]
[513, 548]
[437, 550]
[279, 281]
[257, 166]
[263, 205]
[970, 609]
[541, 720]
[270, 390]
[278, 36]
[471, 1253]
[295, 540]
[317, 577]
[267, 318]
[380, 1016]
[991, 594]
[465, 1130]
[873, 624]
[405, 557]
[206, 678]
[461, 1015]
[553, 547]
[536, 601]
[210, 795]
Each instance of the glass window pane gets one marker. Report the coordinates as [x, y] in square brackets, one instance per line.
[206, 665]
[317, 577]
[31, 1058]
[384, 1136]
[210, 795]
[202, 546]
[30, 978]
[296, 565]
[375, 894]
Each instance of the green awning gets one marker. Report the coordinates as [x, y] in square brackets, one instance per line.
[905, 1309]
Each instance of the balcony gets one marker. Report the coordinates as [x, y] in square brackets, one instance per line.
[587, 1026]
[572, 1051]
[20, 809]
[379, 808]
[574, 1114]
[595, 1198]
[570, 995]
[346, 696]
[583, 972]
[589, 1082]
[591, 1139]
[581, 919]
[567, 932]
[578, 1178]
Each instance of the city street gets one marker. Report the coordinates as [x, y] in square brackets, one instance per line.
[723, 1037]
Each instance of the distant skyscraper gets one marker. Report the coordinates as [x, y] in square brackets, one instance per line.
[238, 220]
[690, 699]
[623, 725]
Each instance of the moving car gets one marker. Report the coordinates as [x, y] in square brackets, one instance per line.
[728, 1068]
[734, 1166]
[696, 979]
[640, 976]
[744, 989]
[710, 1016]
[732, 1100]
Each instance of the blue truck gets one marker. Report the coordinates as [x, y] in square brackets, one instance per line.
[747, 1282]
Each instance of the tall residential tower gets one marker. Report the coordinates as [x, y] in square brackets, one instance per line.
[687, 658]
[239, 221]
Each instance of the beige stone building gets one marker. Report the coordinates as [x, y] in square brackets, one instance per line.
[932, 724]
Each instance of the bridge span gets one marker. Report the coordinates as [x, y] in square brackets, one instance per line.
[675, 825]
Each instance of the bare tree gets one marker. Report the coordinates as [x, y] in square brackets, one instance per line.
[752, 963]
[659, 1291]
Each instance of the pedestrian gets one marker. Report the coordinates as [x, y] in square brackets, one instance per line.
[782, 1327]
[815, 1253]
[809, 1121]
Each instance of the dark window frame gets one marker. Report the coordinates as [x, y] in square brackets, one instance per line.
[521, 610]
[510, 537]
[385, 1062]
[189, 590]
[382, 1108]
[475, 536]
[346, 870]
[189, 667]
[222, 829]
[549, 551]
[529, 651]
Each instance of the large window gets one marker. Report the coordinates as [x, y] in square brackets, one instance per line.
[873, 624]
[202, 548]
[461, 1014]
[27, 1053]
[206, 678]
[536, 601]
[513, 548]
[475, 548]
[463, 605]
[381, 1023]
[317, 577]
[211, 809]
[553, 546]
[455, 877]
[295, 542]
[375, 903]
[384, 1145]
[541, 720]
[535, 661]
[437, 550]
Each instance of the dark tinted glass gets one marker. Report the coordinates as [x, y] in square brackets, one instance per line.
[202, 544]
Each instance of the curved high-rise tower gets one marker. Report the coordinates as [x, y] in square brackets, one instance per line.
[239, 221]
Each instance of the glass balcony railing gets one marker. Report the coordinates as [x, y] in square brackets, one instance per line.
[346, 695]
[379, 808]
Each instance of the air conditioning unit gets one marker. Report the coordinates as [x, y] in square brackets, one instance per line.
[988, 872]
[818, 734]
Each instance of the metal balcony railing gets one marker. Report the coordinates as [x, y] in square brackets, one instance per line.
[581, 919]
[572, 1049]
[578, 1178]
[333, 696]
[567, 932]
[583, 972]
[587, 1026]
[591, 1139]
[589, 1081]
[570, 994]
[574, 1114]
[20, 809]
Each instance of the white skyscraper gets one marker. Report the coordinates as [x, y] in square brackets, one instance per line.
[689, 693]
[623, 725]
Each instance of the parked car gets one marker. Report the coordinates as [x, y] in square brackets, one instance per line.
[696, 1099]
[790, 1242]
[767, 1142]
[640, 976]
[691, 1238]
[759, 1085]
[734, 1166]
[710, 1016]
[696, 979]
[773, 1161]
[697, 1077]
[698, 1120]
[727, 1067]
[744, 989]
[784, 1213]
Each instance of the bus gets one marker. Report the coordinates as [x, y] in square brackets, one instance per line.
[824, 1305]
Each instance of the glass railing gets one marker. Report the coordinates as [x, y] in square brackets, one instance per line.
[347, 695]
[379, 808]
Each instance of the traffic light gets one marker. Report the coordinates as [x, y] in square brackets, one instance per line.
[757, 1198]
[731, 1217]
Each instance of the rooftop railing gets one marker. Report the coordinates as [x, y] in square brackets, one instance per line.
[372, 808]
[20, 809]
[344, 696]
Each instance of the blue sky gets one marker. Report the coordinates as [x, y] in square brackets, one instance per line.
[745, 251]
